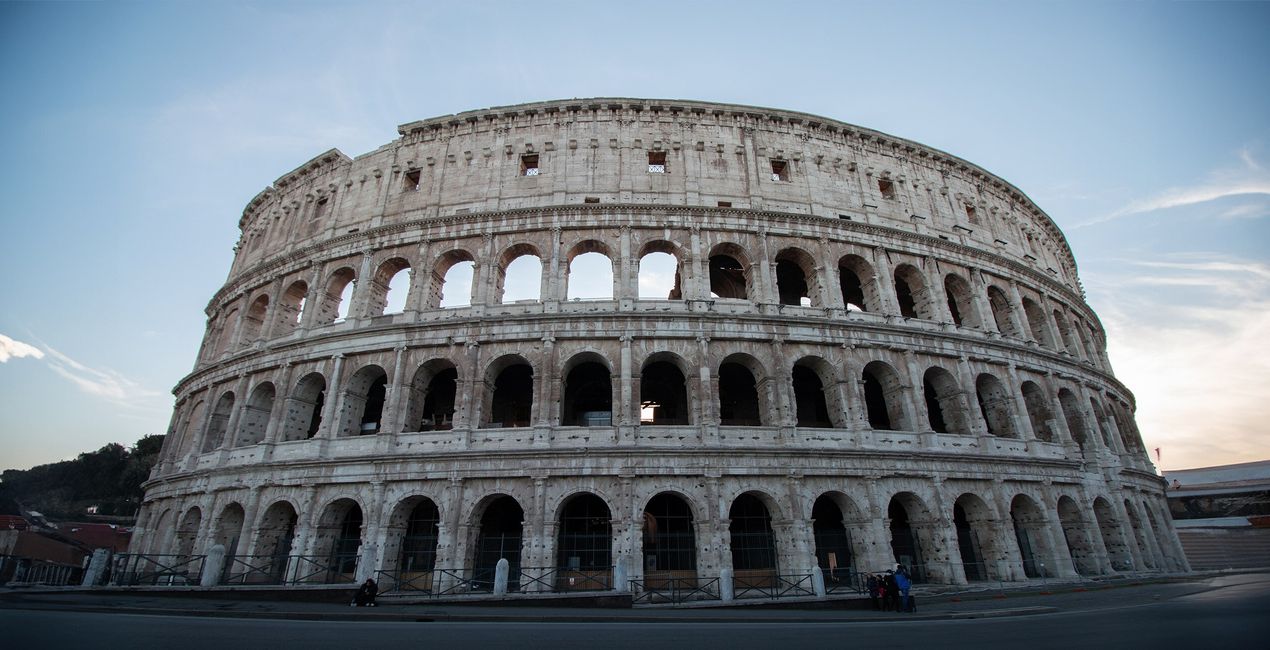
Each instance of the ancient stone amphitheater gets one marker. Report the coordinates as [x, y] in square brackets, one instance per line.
[816, 345]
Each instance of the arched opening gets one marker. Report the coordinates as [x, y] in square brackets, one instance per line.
[336, 298]
[911, 293]
[972, 560]
[339, 538]
[588, 395]
[833, 542]
[663, 394]
[189, 435]
[418, 554]
[499, 537]
[457, 284]
[512, 400]
[590, 275]
[753, 543]
[224, 341]
[290, 309]
[584, 552]
[995, 405]
[254, 321]
[729, 278]
[390, 287]
[274, 538]
[187, 532]
[883, 395]
[795, 278]
[1036, 323]
[960, 305]
[255, 418]
[809, 398]
[859, 288]
[1099, 424]
[1038, 411]
[304, 408]
[1065, 334]
[945, 409]
[1139, 535]
[659, 276]
[362, 407]
[670, 545]
[1076, 534]
[738, 396]
[1000, 306]
[1113, 539]
[218, 423]
[1071, 413]
[520, 276]
[1029, 530]
[906, 542]
[228, 529]
[433, 392]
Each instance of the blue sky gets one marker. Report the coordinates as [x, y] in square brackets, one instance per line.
[134, 134]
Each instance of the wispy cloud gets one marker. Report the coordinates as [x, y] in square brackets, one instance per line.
[105, 383]
[1250, 178]
[11, 349]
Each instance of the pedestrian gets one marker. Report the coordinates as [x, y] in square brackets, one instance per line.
[875, 590]
[365, 596]
[903, 583]
[892, 592]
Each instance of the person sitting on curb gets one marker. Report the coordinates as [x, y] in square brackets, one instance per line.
[365, 596]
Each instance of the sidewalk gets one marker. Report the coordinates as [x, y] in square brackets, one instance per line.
[994, 603]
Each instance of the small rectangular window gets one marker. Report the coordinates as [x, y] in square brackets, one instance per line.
[529, 164]
[591, 199]
[887, 188]
[780, 170]
[319, 209]
[411, 183]
[971, 214]
[657, 162]
[725, 204]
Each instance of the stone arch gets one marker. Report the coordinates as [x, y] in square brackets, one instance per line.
[157, 542]
[584, 548]
[797, 282]
[410, 545]
[187, 532]
[945, 403]
[753, 541]
[254, 321]
[815, 396]
[912, 293]
[669, 540]
[1038, 410]
[1031, 531]
[858, 283]
[337, 542]
[961, 305]
[1139, 535]
[731, 272]
[663, 390]
[1073, 415]
[498, 534]
[832, 527]
[391, 279]
[189, 435]
[509, 394]
[740, 400]
[521, 259]
[335, 298]
[1036, 323]
[255, 417]
[1076, 532]
[224, 341]
[1113, 538]
[1099, 425]
[587, 253]
[304, 408]
[275, 536]
[218, 422]
[914, 535]
[290, 310]
[884, 397]
[1065, 334]
[1002, 312]
[446, 287]
[361, 406]
[997, 406]
[432, 396]
[651, 287]
[587, 391]
[229, 528]
[978, 539]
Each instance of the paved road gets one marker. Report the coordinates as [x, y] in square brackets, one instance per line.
[1223, 613]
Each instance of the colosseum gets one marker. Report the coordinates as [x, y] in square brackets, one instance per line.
[815, 351]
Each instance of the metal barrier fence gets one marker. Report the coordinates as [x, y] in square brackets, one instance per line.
[559, 580]
[255, 570]
[147, 569]
[437, 582]
[307, 569]
[21, 570]
[772, 586]
[674, 591]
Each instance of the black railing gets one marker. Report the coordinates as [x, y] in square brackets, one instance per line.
[772, 586]
[165, 570]
[22, 570]
[322, 570]
[255, 570]
[435, 583]
[843, 581]
[674, 591]
[557, 579]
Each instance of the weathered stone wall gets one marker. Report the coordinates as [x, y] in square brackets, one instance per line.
[992, 369]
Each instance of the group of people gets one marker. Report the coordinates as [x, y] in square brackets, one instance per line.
[889, 591]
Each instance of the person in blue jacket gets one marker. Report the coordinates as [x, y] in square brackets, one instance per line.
[903, 582]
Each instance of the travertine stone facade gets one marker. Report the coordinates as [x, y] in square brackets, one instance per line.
[874, 351]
